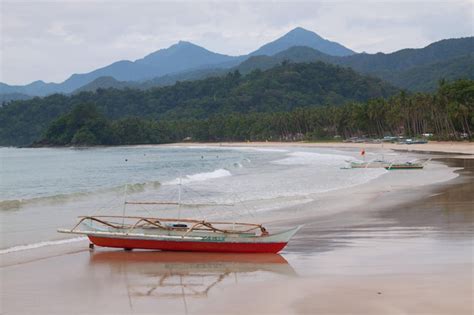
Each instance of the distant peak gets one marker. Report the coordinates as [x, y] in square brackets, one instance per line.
[175, 48]
[184, 50]
[181, 45]
[299, 31]
[303, 37]
[184, 43]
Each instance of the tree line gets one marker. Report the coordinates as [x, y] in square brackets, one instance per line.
[448, 114]
[280, 89]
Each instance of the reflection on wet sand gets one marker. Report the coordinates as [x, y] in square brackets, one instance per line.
[183, 274]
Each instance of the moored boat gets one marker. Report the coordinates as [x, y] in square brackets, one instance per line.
[387, 165]
[130, 232]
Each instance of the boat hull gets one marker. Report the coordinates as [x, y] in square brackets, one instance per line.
[404, 167]
[188, 246]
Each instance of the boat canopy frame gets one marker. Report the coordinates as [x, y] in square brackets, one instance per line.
[195, 225]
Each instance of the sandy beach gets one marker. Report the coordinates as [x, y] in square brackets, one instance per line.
[400, 244]
[464, 148]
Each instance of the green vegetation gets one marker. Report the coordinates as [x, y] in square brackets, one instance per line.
[311, 101]
[86, 125]
[280, 89]
[411, 69]
[426, 78]
[449, 114]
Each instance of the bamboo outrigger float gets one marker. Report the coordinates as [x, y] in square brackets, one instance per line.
[135, 232]
[369, 164]
[411, 165]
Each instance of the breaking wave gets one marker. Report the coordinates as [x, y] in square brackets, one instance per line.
[41, 244]
[139, 187]
[15, 204]
[308, 158]
[200, 177]
[257, 149]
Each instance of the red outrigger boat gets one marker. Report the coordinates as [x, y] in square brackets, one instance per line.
[134, 232]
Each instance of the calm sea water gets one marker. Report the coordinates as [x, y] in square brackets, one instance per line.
[44, 189]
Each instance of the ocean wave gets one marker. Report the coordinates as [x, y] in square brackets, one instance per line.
[200, 177]
[309, 158]
[228, 147]
[41, 244]
[198, 147]
[139, 187]
[10, 204]
[15, 204]
[255, 149]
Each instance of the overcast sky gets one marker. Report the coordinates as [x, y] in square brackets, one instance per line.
[50, 40]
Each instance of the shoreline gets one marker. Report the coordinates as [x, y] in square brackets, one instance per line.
[441, 286]
[451, 147]
[390, 238]
[465, 149]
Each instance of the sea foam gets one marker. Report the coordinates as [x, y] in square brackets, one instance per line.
[200, 177]
[40, 244]
[308, 158]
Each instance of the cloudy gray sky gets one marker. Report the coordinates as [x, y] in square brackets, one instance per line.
[50, 40]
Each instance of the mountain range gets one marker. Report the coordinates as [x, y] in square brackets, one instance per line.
[412, 69]
[180, 57]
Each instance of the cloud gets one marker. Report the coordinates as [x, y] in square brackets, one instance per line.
[50, 40]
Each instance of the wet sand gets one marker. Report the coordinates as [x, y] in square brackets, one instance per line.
[391, 247]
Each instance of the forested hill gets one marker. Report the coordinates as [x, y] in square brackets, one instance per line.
[447, 114]
[281, 88]
[411, 69]
[418, 70]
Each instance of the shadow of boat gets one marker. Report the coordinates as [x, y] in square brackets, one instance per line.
[179, 274]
